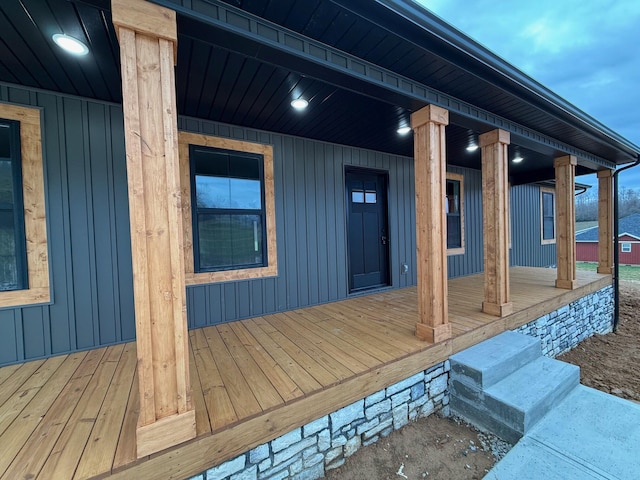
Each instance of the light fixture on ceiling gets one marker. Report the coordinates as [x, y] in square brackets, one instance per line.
[517, 159]
[299, 104]
[70, 44]
[404, 130]
[472, 148]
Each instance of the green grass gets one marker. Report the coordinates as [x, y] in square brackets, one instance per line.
[627, 272]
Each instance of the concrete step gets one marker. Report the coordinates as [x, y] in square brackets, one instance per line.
[510, 407]
[488, 362]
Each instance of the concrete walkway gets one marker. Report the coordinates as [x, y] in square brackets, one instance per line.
[589, 435]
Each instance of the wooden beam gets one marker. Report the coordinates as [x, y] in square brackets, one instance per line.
[605, 221]
[495, 218]
[566, 221]
[430, 176]
[148, 37]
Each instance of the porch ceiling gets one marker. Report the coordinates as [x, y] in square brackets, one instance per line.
[212, 63]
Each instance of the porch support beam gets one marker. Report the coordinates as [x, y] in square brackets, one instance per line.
[605, 221]
[495, 215]
[566, 221]
[430, 160]
[148, 36]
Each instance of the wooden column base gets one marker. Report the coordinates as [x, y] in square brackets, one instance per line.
[165, 433]
[497, 310]
[607, 270]
[433, 334]
[566, 284]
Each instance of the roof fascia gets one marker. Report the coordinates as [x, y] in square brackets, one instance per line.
[487, 64]
[253, 36]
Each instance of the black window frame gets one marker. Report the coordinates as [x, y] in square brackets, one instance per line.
[197, 211]
[545, 217]
[17, 206]
[459, 245]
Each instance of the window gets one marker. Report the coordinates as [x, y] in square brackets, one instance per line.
[228, 200]
[548, 215]
[24, 264]
[625, 247]
[454, 206]
[13, 257]
[228, 209]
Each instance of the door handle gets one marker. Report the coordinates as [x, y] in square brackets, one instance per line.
[383, 239]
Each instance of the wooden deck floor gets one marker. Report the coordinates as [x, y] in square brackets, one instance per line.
[74, 416]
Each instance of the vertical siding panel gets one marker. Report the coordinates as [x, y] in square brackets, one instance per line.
[80, 234]
[104, 309]
[230, 300]
[322, 157]
[332, 182]
[122, 247]
[290, 224]
[33, 332]
[313, 154]
[243, 300]
[280, 286]
[62, 311]
[8, 336]
[340, 213]
[299, 206]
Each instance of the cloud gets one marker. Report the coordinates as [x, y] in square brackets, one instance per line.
[586, 52]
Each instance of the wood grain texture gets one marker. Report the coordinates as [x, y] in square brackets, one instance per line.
[147, 41]
[495, 216]
[35, 219]
[566, 221]
[605, 221]
[430, 162]
[271, 270]
[94, 435]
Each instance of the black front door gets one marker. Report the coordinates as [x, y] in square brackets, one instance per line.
[367, 229]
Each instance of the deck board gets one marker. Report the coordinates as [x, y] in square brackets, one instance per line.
[74, 416]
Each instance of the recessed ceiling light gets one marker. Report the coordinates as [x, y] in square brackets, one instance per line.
[299, 103]
[404, 130]
[517, 160]
[70, 44]
[472, 148]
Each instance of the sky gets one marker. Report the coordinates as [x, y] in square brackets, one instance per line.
[586, 51]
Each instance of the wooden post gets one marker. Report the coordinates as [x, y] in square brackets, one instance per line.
[605, 221]
[495, 218]
[566, 221]
[148, 35]
[431, 220]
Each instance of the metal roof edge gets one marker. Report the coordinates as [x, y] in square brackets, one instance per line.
[436, 26]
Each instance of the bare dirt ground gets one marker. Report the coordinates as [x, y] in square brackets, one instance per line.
[442, 448]
[611, 363]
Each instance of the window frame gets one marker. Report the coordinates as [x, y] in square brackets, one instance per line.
[17, 205]
[37, 287]
[185, 140]
[197, 211]
[623, 245]
[461, 249]
[548, 241]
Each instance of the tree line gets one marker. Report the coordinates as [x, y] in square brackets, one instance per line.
[587, 204]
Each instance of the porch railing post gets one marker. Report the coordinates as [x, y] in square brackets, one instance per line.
[566, 221]
[148, 36]
[495, 216]
[605, 221]
[430, 178]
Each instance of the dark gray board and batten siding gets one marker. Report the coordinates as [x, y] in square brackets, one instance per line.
[89, 242]
[87, 231]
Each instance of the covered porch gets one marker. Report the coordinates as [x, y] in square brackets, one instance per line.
[74, 416]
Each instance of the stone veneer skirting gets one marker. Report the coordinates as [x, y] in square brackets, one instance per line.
[307, 452]
[563, 329]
